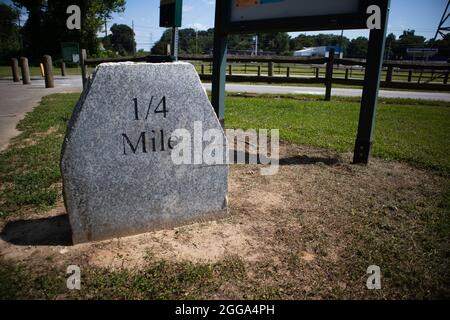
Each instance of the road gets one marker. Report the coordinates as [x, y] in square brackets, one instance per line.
[269, 89]
[17, 99]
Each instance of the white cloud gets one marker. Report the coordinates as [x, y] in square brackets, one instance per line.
[198, 26]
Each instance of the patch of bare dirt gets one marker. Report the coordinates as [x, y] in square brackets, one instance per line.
[298, 229]
[34, 138]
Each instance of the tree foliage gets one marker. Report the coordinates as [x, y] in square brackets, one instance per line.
[45, 28]
[121, 40]
[9, 32]
[280, 43]
[201, 42]
[357, 48]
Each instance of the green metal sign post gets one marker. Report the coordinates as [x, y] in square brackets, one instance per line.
[369, 101]
[253, 16]
[170, 17]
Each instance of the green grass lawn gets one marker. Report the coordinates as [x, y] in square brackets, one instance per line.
[408, 130]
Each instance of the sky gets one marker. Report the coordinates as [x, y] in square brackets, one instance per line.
[420, 15]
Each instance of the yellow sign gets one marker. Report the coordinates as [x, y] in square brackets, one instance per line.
[246, 3]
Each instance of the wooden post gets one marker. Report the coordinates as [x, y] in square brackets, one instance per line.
[410, 76]
[15, 69]
[48, 71]
[389, 74]
[230, 69]
[446, 78]
[317, 72]
[259, 71]
[83, 67]
[203, 69]
[63, 69]
[25, 70]
[329, 75]
[346, 73]
[288, 72]
[270, 66]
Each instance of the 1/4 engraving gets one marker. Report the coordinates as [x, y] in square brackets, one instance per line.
[160, 108]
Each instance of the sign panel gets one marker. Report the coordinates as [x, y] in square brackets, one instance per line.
[170, 13]
[70, 52]
[250, 10]
[249, 16]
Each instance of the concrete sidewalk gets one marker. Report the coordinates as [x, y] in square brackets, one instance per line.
[18, 99]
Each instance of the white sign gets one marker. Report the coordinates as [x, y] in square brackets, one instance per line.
[250, 10]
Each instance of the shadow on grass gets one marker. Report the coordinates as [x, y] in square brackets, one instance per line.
[241, 157]
[52, 231]
[304, 160]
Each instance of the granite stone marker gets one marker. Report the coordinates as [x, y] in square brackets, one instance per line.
[117, 166]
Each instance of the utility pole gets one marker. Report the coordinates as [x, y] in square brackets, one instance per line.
[255, 44]
[175, 42]
[106, 28]
[196, 41]
[151, 41]
[134, 42]
[388, 52]
[341, 51]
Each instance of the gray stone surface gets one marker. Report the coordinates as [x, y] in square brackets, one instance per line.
[111, 190]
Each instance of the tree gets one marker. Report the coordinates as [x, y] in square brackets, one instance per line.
[391, 41]
[192, 42]
[9, 33]
[46, 28]
[122, 39]
[444, 47]
[407, 40]
[160, 47]
[277, 42]
[358, 48]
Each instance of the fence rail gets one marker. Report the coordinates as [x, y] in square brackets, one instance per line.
[328, 71]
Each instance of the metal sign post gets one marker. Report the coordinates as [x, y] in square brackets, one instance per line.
[171, 17]
[254, 16]
[374, 64]
[219, 62]
[175, 40]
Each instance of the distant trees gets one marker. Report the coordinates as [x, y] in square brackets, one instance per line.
[281, 43]
[304, 41]
[45, 27]
[407, 40]
[121, 40]
[357, 48]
